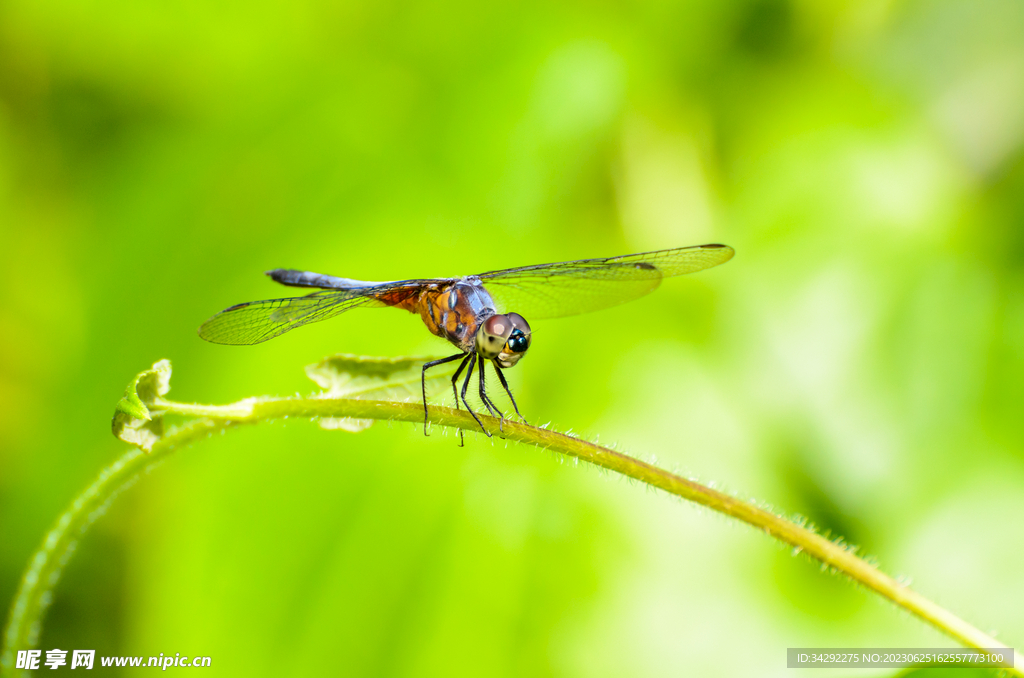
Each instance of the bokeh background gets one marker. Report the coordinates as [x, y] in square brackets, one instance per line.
[860, 362]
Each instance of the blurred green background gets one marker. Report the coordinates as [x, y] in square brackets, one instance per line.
[860, 362]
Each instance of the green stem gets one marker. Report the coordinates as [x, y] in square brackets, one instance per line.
[44, 570]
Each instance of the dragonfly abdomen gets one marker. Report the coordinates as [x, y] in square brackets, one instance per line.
[293, 278]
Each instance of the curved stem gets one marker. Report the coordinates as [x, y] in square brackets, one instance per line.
[45, 567]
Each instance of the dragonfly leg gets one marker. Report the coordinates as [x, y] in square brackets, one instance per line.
[455, 391]
[488, 403]
[423, 383]
[455, 378]
[465, 387]
[501, 378]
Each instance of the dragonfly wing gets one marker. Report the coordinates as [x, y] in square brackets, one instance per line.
[257, 321]
[573, 287]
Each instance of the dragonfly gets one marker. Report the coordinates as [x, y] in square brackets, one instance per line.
[472, 312]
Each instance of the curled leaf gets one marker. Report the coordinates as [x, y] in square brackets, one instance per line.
[133, 421]
[370, 378]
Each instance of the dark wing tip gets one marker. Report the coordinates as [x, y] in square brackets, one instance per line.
[719, 246]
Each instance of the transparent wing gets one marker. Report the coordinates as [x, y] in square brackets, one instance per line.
[573, 287]
[257, 321]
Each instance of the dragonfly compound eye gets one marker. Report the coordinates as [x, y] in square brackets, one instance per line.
[519, 322]
[492, 336]
[521, 335]
[517, 343]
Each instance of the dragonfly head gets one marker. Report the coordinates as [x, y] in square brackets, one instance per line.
[504, 338]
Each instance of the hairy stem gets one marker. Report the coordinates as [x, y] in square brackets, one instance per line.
[45, 567]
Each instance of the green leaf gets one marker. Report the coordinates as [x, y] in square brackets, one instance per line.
[133, 421]
[369, 378]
